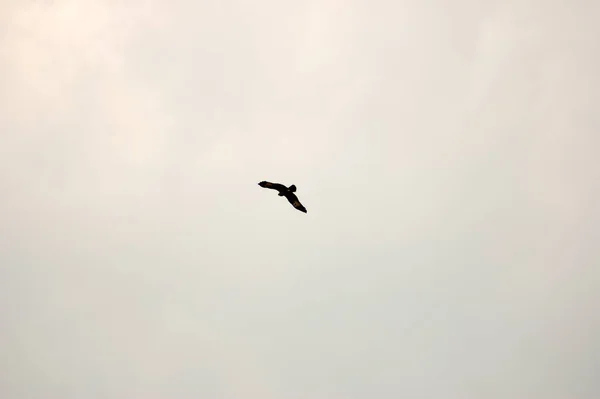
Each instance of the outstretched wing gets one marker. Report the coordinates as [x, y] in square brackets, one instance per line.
[291, 197]
[273, 186]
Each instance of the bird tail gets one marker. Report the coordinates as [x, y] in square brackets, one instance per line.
[292, 188]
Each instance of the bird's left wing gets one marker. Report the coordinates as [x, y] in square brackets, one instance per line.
[273, 186]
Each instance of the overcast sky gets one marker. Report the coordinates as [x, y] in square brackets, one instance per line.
[447, 153]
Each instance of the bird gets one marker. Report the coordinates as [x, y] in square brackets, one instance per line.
[287, 192]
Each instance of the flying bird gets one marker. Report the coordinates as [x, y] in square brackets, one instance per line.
[287, 192]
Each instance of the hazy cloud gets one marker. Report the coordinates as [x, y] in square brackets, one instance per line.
[446, 155]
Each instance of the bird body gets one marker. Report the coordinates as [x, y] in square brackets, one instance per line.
[287, 192]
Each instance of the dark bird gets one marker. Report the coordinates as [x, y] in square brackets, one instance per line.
[287, 192]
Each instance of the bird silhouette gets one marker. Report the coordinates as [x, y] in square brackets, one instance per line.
[287, 192]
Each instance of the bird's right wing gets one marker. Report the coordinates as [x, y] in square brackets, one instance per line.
[273, 186]
[293, 199]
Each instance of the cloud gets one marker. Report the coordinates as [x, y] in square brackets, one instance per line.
[446, 154]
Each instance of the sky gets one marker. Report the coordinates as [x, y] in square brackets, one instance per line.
[446, 153]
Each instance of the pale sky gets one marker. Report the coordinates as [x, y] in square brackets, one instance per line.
[447, 153]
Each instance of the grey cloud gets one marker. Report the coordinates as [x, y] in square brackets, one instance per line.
[446, 154]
